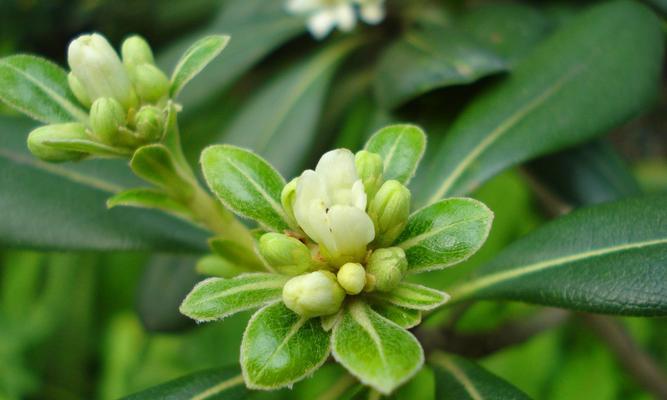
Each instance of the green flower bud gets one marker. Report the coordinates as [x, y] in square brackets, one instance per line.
[135, 50]
[151, 83]
[106, 117]
[314, 294]
[78, 90]
[389, 211]
[149, 123]
[369, 167]
[38, 138]
[97, 67]
[388, 266]
[285, 254]
[287, 198]
[352, 277]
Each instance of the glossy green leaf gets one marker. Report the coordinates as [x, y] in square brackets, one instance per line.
[38, 88]
[608, 258]
[150, 198]
[246, 184]
[87, 146]
[289, 106]
[217, 298]
[195, 59]
[420, 387]
[255, 26]
[445, 233]
[413, 296]
[280, 347]
[378, 352]
[214, 384]
[154, 163]
[429, 58]
[584, 80]
[403, 317]
[62, 206]
[457, 378]
[401, 148]
[587, 174]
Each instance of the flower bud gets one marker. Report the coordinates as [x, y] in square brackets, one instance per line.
[369, 167]
[285, 254]
[78, 90]
[352, 277]
[389, 211]
[151, 83]
[97, 67]
[287, 197]
[39, 146]
[135, 50]
[149, 123]
[106, 117]
[388, 266]
[314, 294]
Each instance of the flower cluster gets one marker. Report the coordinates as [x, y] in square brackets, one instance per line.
[325, 15]
[126, 99]
[344, 215]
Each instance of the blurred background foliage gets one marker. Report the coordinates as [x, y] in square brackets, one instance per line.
[104, 325]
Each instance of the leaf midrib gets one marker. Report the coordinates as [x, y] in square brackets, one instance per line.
[218, 388]
[415, 240]
[462, 378]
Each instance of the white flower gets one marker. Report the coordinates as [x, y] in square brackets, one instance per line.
[325, 15]
[96, 65]
[330, 207]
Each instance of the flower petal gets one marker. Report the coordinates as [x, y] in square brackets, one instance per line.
[352, 230]
[321, 23]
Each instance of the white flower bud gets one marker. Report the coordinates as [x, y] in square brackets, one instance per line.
[287, 197]
[369, 167]
[150, 82]
[78, 90]
[106, 117]
[314, 294]
[135, 50]
[99, 70]
[389, 211]
[388, 266]
[285, 254]
[352, 277]
[39, 146]
[149, 123]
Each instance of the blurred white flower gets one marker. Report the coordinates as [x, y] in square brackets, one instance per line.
[330, 206]
[325, 15]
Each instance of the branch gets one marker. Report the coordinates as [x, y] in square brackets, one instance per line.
[636, 362]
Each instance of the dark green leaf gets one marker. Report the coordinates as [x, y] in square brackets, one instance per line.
[401, 148]
[431, 58]
[38, 88]
[608, 258]
[584, 80]
[457, 378]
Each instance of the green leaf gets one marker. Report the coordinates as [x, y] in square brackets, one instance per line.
[413, 296]
[607, 259]
[445, 233]
[38, 88]
[457, 378]
[403, 317]
[217, 298]
[429, 58]
[420, 387]
[584, 80]
[231, 251]
[154, 163]
[378, 352]
[246, 184]
[195, 59]
[219, 383]
[150, 198]
[256, 26]
[290, 106]
[401, 148]
[51, 206]
[588, 174]
[280, 347]
[214, 265]
[87, 146]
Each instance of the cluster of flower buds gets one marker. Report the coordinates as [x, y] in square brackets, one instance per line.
[126, 99]
[325, 15]
[345, 218]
